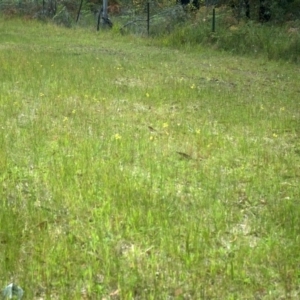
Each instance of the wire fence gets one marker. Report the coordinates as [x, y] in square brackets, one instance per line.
[143, 17]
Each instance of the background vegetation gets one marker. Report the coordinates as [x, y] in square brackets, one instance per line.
[176, 26]
[134, 171]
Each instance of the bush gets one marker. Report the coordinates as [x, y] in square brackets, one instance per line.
[245, 37]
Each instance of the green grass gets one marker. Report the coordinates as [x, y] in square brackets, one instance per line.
[271, 40]
[130, 171]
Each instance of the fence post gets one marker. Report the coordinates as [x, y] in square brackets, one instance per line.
[148, 18]
[79, 10]
[214, 20]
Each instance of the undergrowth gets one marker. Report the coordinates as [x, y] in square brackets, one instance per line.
[270, 40]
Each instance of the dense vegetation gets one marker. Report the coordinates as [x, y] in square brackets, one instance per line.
[236, 29]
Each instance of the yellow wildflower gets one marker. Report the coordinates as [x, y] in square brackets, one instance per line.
[117, 136]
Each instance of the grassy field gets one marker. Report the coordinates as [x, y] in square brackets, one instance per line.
[132, 171]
